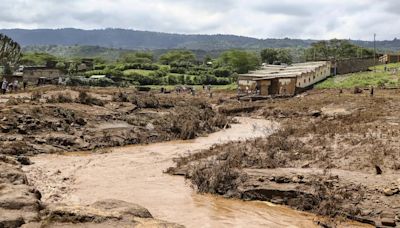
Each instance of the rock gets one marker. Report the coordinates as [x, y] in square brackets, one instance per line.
[24, 160]
[81, 121]
[390, 191]
[282, 180]
[150, 127]
[10, 219]
[315, 113]
[22, 130]
[5, 128]
[124, 209]
[77, 214]
[388, 222]
[9, 174]
[105, 213]
[378, 170]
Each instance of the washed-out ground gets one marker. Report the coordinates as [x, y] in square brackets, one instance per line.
[51, 120]
[332, 153]
[336, 154]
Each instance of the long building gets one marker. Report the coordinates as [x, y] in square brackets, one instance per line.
[281, 80]
[389, 58]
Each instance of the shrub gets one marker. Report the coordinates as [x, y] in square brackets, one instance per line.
[85, 98]
[60, 98]
[219, 177]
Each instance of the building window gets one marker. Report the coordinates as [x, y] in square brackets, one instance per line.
[309, 79]
[305, 81]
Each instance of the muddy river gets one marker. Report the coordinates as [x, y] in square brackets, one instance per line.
[135, 174]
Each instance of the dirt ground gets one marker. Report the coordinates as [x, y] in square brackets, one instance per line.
[336, 154]
[58, 120]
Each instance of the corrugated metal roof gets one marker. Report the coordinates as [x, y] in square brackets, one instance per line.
[276, 71]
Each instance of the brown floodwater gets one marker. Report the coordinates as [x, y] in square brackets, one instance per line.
[135, 174]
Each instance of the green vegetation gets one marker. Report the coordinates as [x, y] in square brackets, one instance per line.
[38, 59]
[185, 67]
[336, 49]
[10, 53]
[272, 55]
[239, 61]
[380, 78]
[177, 67]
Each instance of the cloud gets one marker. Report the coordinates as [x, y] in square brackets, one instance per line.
[323, 19]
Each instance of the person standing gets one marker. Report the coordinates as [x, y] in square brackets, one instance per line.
[15, 86]
[4, 86]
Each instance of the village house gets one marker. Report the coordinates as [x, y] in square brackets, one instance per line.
[281, 80]
[389, 58]
[33, 74]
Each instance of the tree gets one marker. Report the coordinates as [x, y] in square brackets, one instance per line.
[137, 57]
[272, 55]
[269, 55]
[240, 61]
[336, 49]
[10, 53]
[177, 57]
[284, 56]
[37, 58]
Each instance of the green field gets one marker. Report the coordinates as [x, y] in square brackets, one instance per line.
[380, 78]
[141, 72]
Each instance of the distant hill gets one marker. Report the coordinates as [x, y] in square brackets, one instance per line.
[114, 41]
[141, 40]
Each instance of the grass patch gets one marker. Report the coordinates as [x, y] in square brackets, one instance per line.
[137, 71]
[362, 79]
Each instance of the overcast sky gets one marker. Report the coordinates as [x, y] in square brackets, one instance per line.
[316, 19]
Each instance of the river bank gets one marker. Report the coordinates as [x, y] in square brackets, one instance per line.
[336, 155]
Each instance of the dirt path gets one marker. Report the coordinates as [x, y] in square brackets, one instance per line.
[135, 174]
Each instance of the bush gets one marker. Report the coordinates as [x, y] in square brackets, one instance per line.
[222, 72]
[218, 177]
[60, 98]
[85, 98]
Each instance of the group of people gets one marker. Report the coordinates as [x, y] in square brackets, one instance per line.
[11, 86]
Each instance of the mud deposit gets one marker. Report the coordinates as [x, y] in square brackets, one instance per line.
[135, 174]
[336, 154]
[76, 119]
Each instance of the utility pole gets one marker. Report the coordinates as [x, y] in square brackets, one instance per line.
[375, 52]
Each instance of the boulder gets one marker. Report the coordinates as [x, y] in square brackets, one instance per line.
[105, 213]
[122, 208]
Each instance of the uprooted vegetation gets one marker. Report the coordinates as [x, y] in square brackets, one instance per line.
[84, 119]
[353, 137]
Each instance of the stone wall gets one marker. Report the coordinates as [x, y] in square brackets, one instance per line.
[353, 65]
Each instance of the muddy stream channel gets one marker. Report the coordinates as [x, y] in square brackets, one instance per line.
[135, 174]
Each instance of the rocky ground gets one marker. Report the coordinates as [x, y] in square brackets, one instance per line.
[337, 154]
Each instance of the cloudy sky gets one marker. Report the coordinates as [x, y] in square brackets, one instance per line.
[316, 19]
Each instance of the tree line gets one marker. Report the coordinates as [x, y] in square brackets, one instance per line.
[183, 66]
